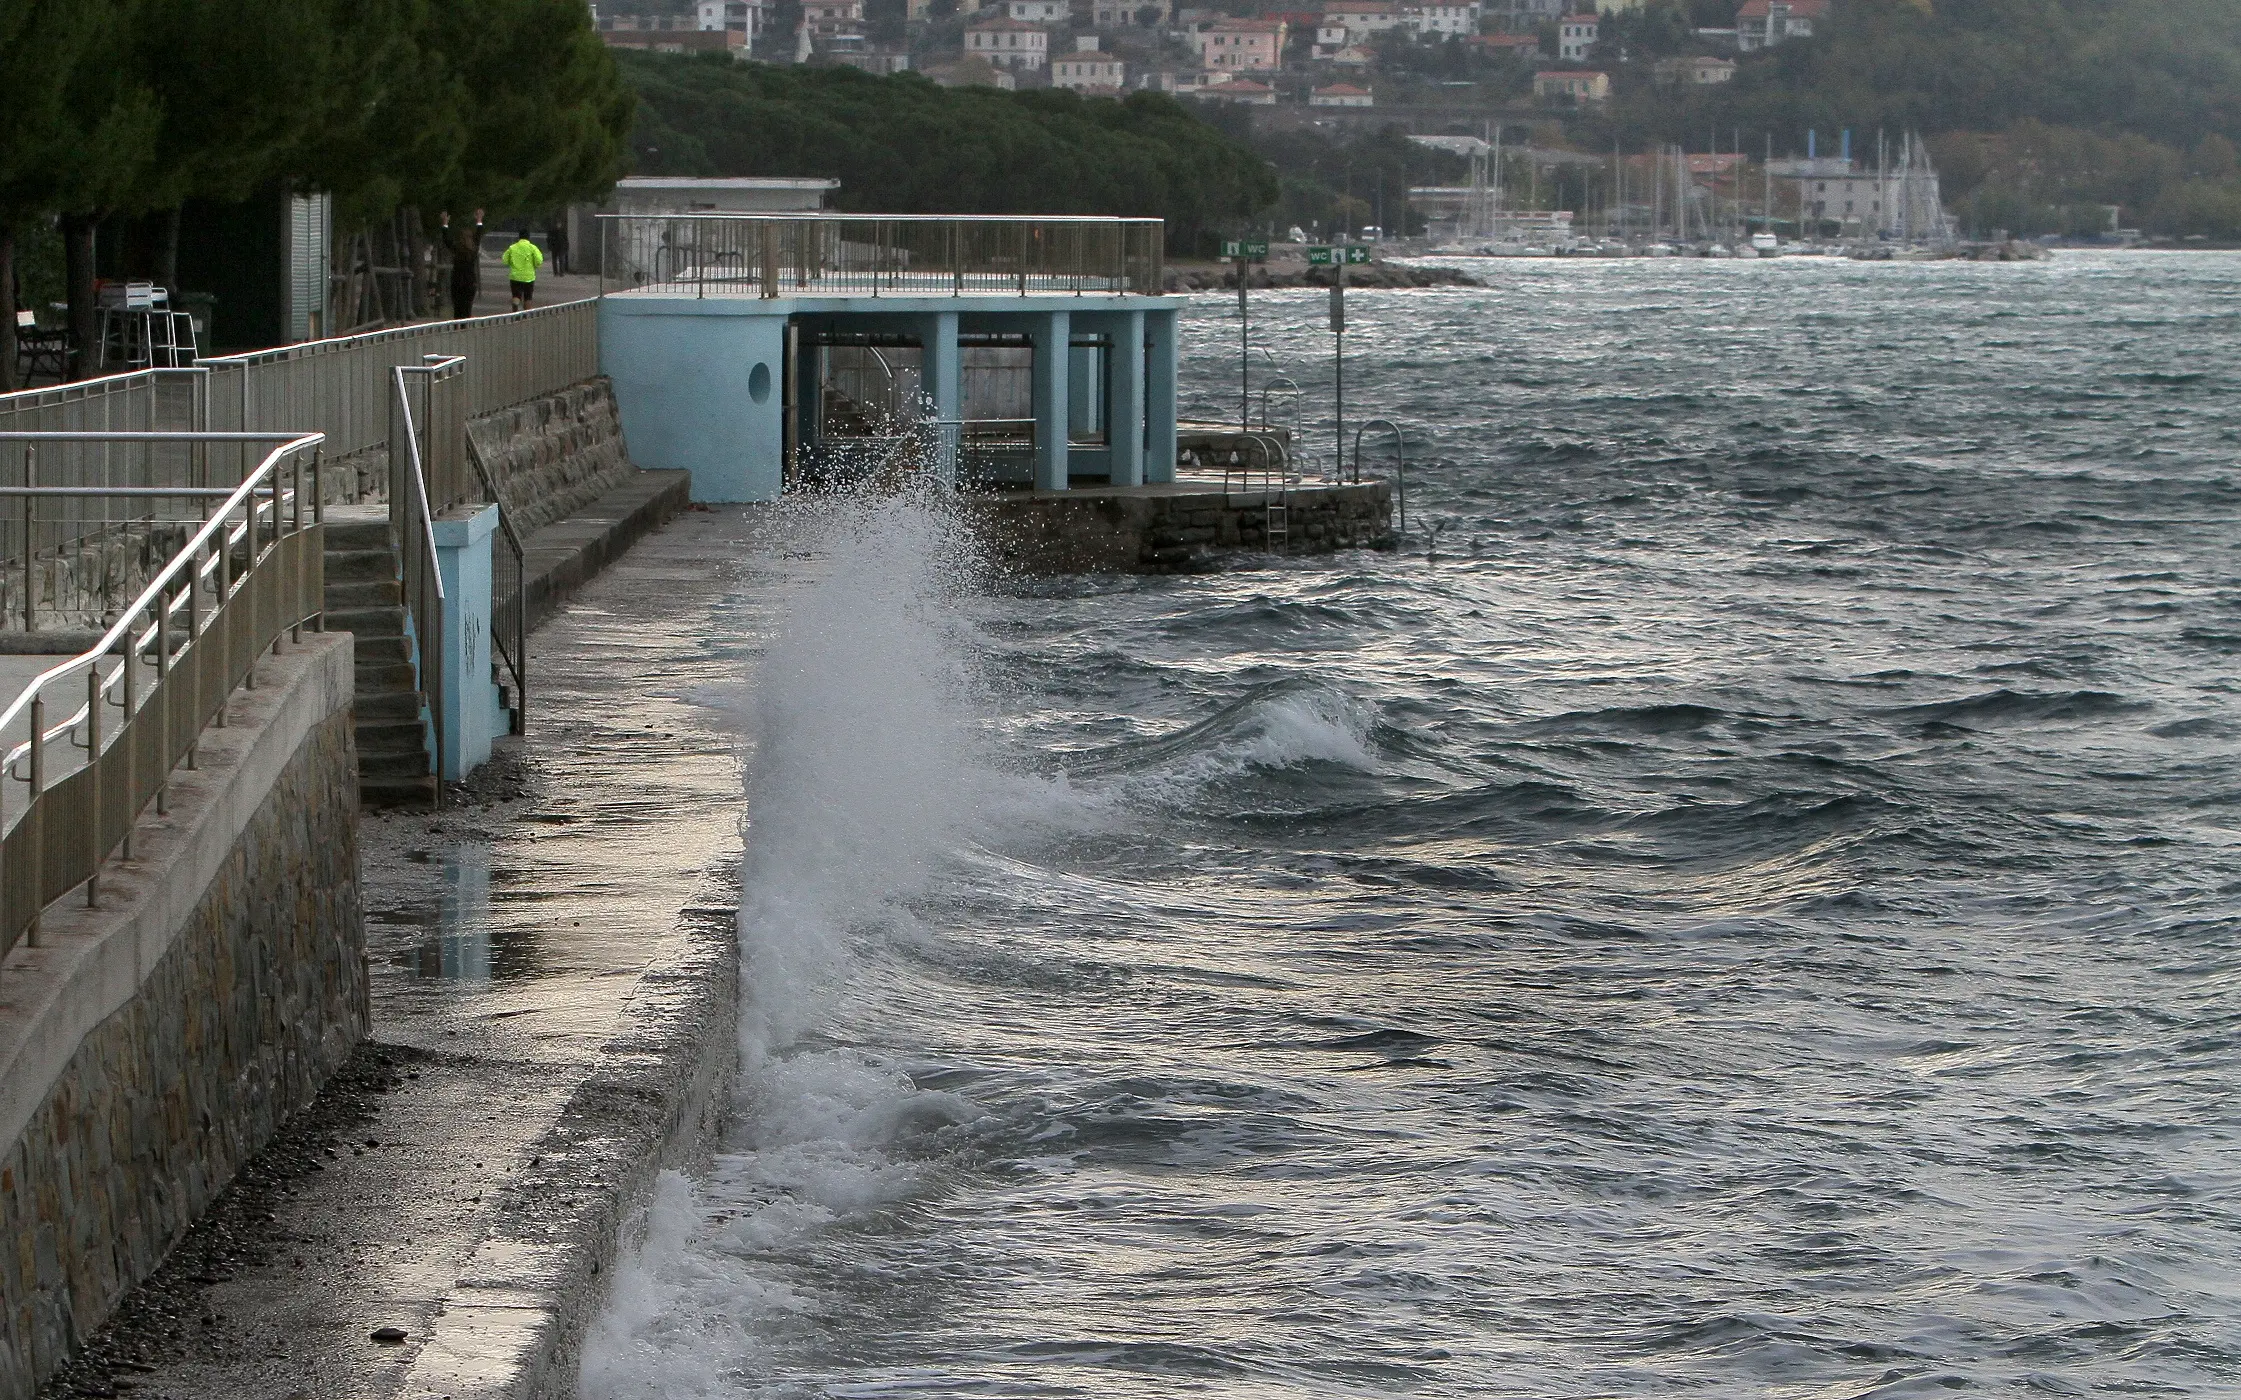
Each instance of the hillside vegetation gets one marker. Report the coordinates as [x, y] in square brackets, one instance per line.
[2039, 111]
[903, 145]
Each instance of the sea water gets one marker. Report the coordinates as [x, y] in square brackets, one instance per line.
[1754, 910]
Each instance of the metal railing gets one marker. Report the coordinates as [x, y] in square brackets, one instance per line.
[774, 255]
[413, 440]
[338, 387]
[509, 600]
[253, 570]
[1400, 464]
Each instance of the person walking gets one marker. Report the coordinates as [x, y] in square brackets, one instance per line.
[522, 259]
[464, 243]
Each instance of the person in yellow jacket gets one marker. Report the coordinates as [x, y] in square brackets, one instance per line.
[522, 259]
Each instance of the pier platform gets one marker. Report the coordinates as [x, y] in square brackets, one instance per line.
[1181, 526]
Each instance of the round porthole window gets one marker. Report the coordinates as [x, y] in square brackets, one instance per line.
[758, 384]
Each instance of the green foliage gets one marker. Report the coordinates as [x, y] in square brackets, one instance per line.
[903, 145]
[80, 129]
[543, 106]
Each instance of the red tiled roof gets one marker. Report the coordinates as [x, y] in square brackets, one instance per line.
[1803, 9]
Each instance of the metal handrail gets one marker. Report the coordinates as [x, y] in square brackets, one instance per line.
[1284, 384]
[1400, 464]
[517, 659]
[1275, 462]
[30, 875]
[422, 576]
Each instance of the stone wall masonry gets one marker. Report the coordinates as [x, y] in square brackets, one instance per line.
[1179, 531]
[554, 455]
[149, 1046]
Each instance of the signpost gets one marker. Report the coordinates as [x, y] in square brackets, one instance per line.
[1243, 251]
[1340, 257]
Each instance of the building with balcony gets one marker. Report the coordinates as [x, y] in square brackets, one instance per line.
[1441, 21]
[1009, 43]
[1341, 95]
[1087, 70]
[1242, 45]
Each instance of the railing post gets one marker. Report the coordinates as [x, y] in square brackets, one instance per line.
[163, 707]
[30, 541]
[93, 784]
[295, 528]
[217, 612]
[35, 816]
[162, 673]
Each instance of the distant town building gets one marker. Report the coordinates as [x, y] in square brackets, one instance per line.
[731, 41]
[968, 72]
[1569, 86]
[1506, 45]
[1087, 70]
[1039, 11]
[1341, 95]
[1120, 14]
[1575, 37]
[1008, 43]
[1700, 70]
[1181, 81]
[1441, 20]
[1761, 24]
[831, 19]
[1243, 90]
[880, 63]
[1362, 18]
[1242, 45]
[1525, 16]
[743, 16]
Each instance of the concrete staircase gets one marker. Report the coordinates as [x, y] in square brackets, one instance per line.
[365, 599]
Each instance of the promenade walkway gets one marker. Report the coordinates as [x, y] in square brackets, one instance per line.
[554, 962]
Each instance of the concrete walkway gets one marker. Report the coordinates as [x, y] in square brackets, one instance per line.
[554, 975]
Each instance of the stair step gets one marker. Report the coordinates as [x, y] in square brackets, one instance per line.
[396, 791]
[377, 651]
[379, 677]
[392, 706]
[360, 565]
[357, 534]
[367, 622]
[391, 766]
[371, 593]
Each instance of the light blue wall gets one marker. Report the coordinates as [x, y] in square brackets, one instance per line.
[473, 718]
[701, 388]
[684, 371]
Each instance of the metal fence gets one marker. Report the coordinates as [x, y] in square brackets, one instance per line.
[337, 387]
[251, 571]
[767, 255]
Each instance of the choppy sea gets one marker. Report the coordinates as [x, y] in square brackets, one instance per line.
[1746, 902]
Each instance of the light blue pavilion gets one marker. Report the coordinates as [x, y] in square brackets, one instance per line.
[764, 353]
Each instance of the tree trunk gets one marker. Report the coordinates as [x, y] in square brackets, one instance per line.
[7, 306]
[77, 276]
[167, 255]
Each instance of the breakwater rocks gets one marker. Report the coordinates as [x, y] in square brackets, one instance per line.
[1191, 278]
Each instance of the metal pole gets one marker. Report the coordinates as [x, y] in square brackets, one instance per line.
[36, 817]
[1244, 356]
[1338, 359]
[163, 709]
[93, 783]
[30, 544]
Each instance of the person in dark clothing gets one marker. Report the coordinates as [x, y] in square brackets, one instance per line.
[464, 242]
[556, 246]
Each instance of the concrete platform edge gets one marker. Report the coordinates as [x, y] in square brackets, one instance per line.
[565, 555]
[513, 1326]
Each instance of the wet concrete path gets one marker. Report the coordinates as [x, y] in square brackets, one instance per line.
[551, 956]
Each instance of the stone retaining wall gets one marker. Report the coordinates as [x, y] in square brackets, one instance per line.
[1179, 531]
[554, 455]
[148, 1047]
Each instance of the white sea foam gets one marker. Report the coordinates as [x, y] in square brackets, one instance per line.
[865, 770]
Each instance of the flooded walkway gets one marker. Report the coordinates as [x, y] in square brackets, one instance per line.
[550, 955]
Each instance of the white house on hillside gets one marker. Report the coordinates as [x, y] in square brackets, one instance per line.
[1008, 43]
[1575, 36]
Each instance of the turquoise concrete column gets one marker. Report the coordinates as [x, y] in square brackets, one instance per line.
[1159, 397]
[940, 364]
[1052, 333]
[1126, 430]
[473, 718]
